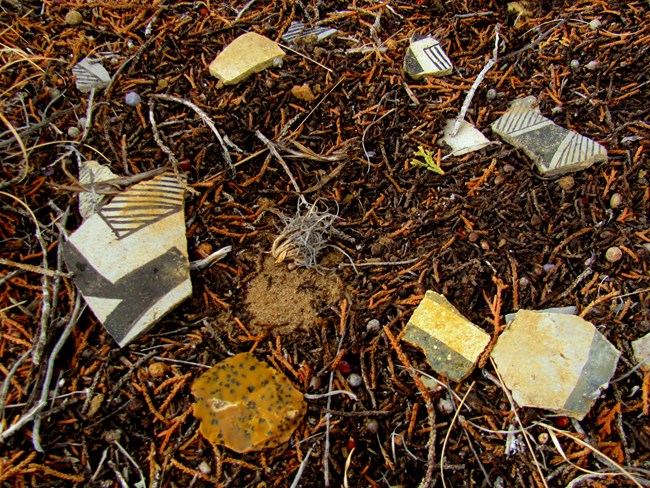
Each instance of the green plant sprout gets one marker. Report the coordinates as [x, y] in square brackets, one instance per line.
[428, 163]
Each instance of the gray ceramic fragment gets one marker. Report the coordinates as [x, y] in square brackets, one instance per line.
[298, 30]
[554, 150]
[129, 259]
[90, 74]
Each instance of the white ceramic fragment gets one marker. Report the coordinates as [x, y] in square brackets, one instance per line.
[298, 30]
[130, 258]
[426, 57]
[250, 53]
[554, 361]
[641, 349]
[452, 344]
[467, 140]
[554, 150]
[90, 173]
[90, 74]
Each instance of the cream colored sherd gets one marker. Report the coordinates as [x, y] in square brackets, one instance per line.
[250, 53]
[554, 361]
[451, 343]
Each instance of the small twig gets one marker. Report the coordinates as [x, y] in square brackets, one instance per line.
[451, 424]
[365, 131]
[42, 402]
[89, 114]
[382, 263]
[224, 141]
[477, 82]
[34, 269]
[513, 407]
[5, 385]
[318, 396]
[539, 38]
[212, 258]
[275, 153]
[301, 469]
[37, 351]
[25, 169]
[306, 57]
[244, 8]
[156, 137]
[142, 483]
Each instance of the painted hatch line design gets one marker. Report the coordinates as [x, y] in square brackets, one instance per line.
[142, 205]
[437, 56]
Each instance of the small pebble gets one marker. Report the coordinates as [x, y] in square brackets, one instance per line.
[344, 367]
[73, 18]
[491, 94]
[592, 65]
[566, 183]
[132, 99]
[113, 435]
[157, 369]
[204, 249]
[508, 168]
[548, 267]
[373, 325]
[445, 406]
[473, 237]
[523, 282]
[355, 380]
[73, 132]
[485, 245]
[613, 254]
[543, 438]
[595, 24]
[376, 249]
[575, 64]
[616, 200]
[205, 468]
[499, 179]
[372, 426]
[54, 93]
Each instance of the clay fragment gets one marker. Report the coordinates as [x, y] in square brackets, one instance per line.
[246, 405]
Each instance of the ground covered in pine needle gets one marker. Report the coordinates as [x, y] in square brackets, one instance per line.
[490, 234]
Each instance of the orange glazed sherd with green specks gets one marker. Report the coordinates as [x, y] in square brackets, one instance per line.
[246, 405]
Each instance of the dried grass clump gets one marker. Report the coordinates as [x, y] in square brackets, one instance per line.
[304, 236]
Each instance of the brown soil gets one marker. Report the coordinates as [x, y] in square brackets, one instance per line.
[284, 300]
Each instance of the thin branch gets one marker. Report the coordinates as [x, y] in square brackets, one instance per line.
[477, 82]
[224, 141]
[42, 402]
[275, 153]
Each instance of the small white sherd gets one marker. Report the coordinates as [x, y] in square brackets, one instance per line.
[426, 57]
[467, 140]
